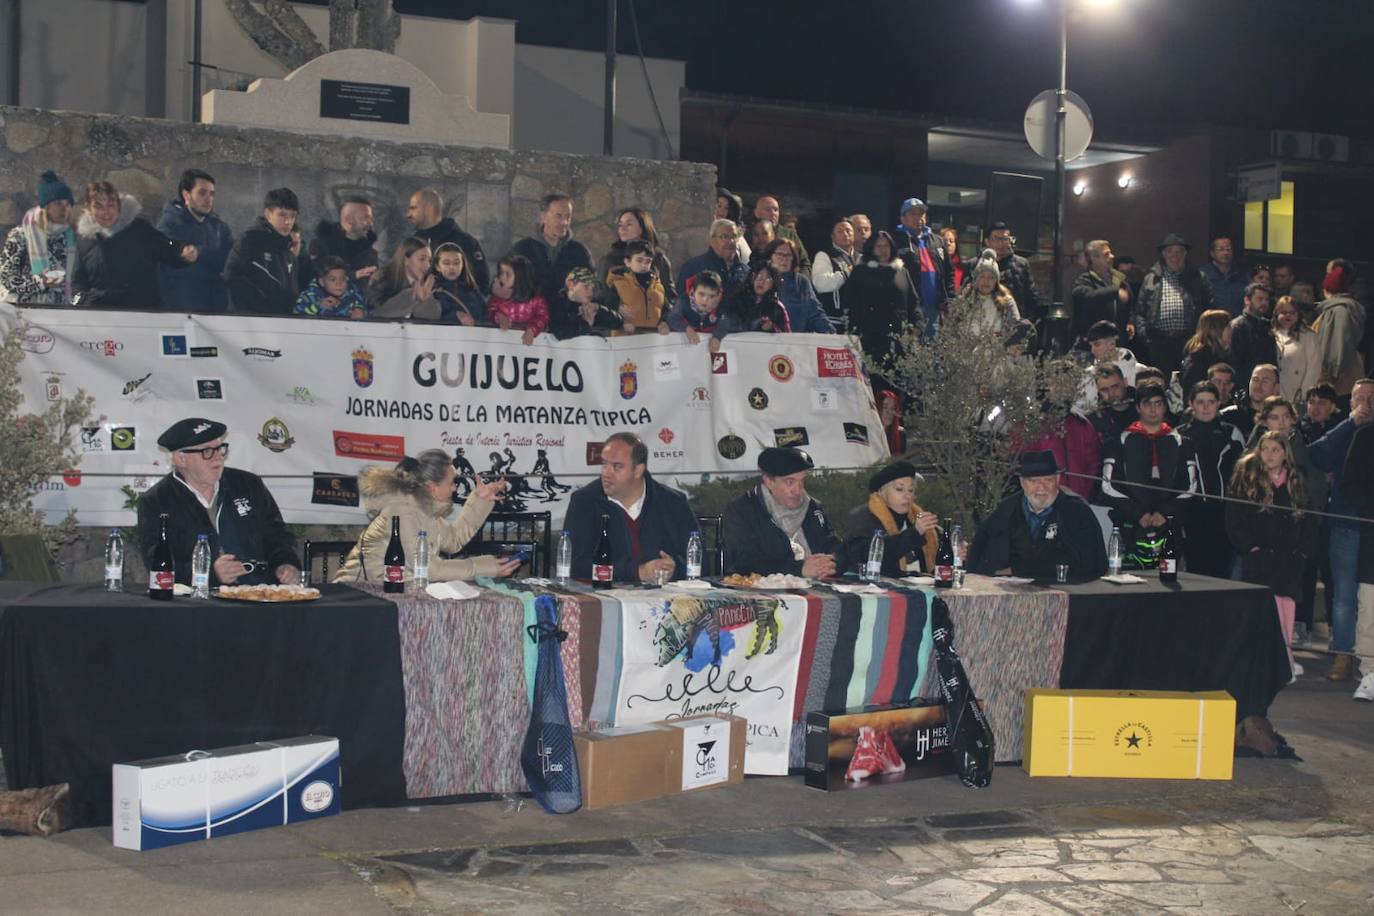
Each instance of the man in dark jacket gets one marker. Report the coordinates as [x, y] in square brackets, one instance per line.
[1171, 298]
[351, 240]
[1321, 416]
[1350, 545]
[927, 261]
[777, 528]
[249, 542]
[553, 252]
[190, 219]
[1032, 532]
[1015, 271]
[648, 523]
[264, 273]
[1228, 281]
[1215, 445]
[1264, 381]
[1100, 293]
[1357, 485]
[1252, 335]
[1148, 473]
[426, 214]
[1115, 403]
[722, 257]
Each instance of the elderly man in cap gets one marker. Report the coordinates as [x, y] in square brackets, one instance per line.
[248, 539]
[777, 528]
[927, 260]
[909, 532]
[1042, 527]
[1171, 298]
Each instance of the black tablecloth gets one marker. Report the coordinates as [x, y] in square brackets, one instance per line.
[1198, 634]
[89, 679]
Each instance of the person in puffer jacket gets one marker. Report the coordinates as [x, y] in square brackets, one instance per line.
[515, 300]
[190, 220]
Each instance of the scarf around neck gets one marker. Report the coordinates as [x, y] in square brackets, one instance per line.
[888, 520]
[789, 520]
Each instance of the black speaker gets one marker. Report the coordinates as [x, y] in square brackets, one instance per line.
[1015, 200]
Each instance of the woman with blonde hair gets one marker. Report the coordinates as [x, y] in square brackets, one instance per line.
[1271, 530]
[1209, 345]
[1300, 364]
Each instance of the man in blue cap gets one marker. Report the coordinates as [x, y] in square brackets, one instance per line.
[927, 260]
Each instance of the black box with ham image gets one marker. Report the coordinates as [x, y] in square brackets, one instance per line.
[877, 745]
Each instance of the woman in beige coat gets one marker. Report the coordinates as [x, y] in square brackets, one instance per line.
[419, 491]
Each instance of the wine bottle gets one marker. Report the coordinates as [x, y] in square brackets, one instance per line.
[394, 578]
[603, 567]
[161, 573]
[944, 558]
[1168, 556]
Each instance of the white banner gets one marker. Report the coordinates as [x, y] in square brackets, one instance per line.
[717, 653]
[309, 402]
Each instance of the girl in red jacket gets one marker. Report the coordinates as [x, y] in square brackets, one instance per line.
[515, 301]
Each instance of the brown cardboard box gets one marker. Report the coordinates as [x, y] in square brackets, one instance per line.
[627, 764]
[914, 732]
[703, 760]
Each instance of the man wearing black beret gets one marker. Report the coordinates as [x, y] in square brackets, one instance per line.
[1043, 526]
[776, 527]
[249, 542]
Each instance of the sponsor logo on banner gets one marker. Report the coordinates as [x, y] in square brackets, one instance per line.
[204, 352]
[700, 399]
[261, 353]
[334, 490]
[594, 453]
[174, 345]
[781, 368]
[319, 794]
[107, 347]
[275, 436]
[367, 446]
[37, 340]
[123, 438]
[720, 363]
[666, 367]
[758, 399]
[209, 389]
[824, 399]
[665, 435]
[134, 390]
[790, 435]
[92, 439]
[362, 367]
[302, 395]
[856, 433]
[836, 362]
[53, 388]
[72, 477]
[731, 447]
[629, 379]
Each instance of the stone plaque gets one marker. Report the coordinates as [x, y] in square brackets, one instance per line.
[354, 101]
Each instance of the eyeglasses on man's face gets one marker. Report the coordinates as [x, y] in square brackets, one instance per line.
[208, 453]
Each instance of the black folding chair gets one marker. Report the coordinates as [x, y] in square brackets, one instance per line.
[504, 532]
[317, 557]
[712, 546]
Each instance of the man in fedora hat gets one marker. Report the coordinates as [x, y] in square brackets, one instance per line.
[1171, 298]
[776, 527]
[249, 542]
[1042, 527]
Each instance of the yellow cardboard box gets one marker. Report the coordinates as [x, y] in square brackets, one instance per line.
[1131, 734]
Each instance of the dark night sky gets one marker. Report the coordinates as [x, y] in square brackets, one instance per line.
[1299, 64]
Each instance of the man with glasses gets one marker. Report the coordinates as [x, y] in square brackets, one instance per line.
[722, 256]
[249, 542]
[1016, 272]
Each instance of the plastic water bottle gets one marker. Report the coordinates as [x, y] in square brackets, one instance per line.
[421, 574]
[694, 555]
[1114, 552]
[873, 569]
[114, 561]
[563, 565]
[200, 567]
[956, 543]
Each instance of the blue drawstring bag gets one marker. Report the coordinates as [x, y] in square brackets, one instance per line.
[548, 757]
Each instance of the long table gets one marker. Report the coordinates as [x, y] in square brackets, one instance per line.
[431, 698]
[89, 679]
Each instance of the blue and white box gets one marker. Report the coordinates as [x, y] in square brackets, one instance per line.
[169, 800]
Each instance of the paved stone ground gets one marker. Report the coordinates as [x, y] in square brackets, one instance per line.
[1282, 837]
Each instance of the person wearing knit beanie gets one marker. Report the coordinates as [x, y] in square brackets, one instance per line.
[1338, 278]
[51, 188]
[1340, 326]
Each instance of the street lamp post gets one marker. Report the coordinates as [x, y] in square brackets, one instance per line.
[1057, 309]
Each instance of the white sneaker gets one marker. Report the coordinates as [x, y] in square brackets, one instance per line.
[1366, 689]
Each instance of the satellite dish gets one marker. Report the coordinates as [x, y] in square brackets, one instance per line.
[1040, 125]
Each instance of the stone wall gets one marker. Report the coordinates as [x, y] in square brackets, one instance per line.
[492, 193]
